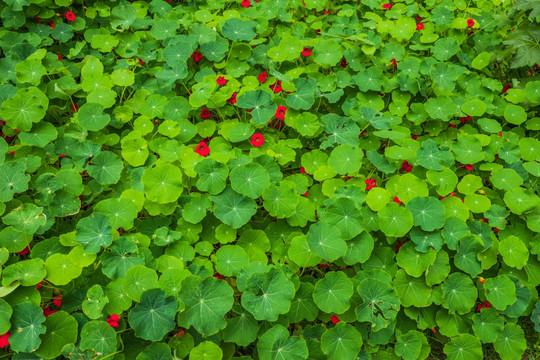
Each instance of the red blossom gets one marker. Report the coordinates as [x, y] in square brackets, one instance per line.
[47, 311]
[482, 280]
[394, 62]
[202, 149]
[245, 3]
[257, 139]
[469, 167]
[399, 244]
[114, 317]
[74, 107]
[303, 171]
[276, 87]
[484, 305]
[306, 52]
[142, 62]
[434, 330]
[371, 183]
[343, 62]
[70, 16]
[12, 153]
[387, 6]
[57, 300]
[419, 26]
[232, 99]
[181, 333]
[205, 114]
[4, 340]
[24, 251]
[17, 130]
[467, 118]
[406, 166]
[59, 57]
[470, 23]
[451, 126]
[196, 56]
[221, 80]
[305, 194]
[280, 112]
[396, 200]
[334, 319]
[414, 137]
[496, 229]
[51, 24]
[262, 77]
[505, 88]
[113, 324]
[500, 134]
[218, 276]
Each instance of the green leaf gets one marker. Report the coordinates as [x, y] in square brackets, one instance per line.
[325, 241]
[409, 345]
[206, 303]
[27, 272]
[487, 324]
[242, 328]
[515, 114]
[94, 232]
[395, 220]
[40, 135]
[61, 270]
[468, 150]
[13, 180]
[463, 347]
[163, 183]
[250, 180]
[99, 337]
[5, 314]
[153, 317]
[327, 53]
[459, 293]
[513, 251]
[268, 294]
[233, 209]
[481, 60]
[212, 176]
[474, 107]
[27, 218]
[26, 321]
[138, 280]
[61, 330]
[410, 290]
[341, 342]
[303, 306]
[500, 292]
[304, 97]
[276, 343]
[381, 304]
[206, 350]
[94, 303]
[427, 212]
[344, 214]
[414, 262]
[106, 168]
[511, 343]
[230, 259]
[236, 29]
[506, 179]
[333, 292]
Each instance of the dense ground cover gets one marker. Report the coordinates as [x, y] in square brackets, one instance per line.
[269, 179]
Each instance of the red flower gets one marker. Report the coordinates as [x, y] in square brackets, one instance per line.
[469, 167]
[343, 62]
[202, 149]
[262, 77]
[396, 200]
[12, 153]
[419, 26]
[371, 183]
[4, 340]
[276, 87]
[303, 171]
[326, 12]
[205, 114]
[59, 57]
[245, 3]
[394, 62]
[280, 112]
[399, 244]
[334, 319]
[57, 301]
[463, 119]
[496, 229]
[414, 137]
[17, 130]
[221, 81]
[387, 6]
[70, 16]
[51, 24]
[24, 251]
[500, 134]
[142, 62]
[196, 56]
[232, 99]
[48, 311]
[406, 166]
[113, 324]
[218, 276]
[257, 140]
[434, 330]
[451, 126]
[484, 305]
[482, 280]
[505, 88]
[114, 317]
[74, 107]
[470, 23]
[306, 52]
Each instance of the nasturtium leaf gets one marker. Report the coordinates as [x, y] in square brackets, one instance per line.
[474, 107]
[466, 258]
[410, 186]
[325, 241]
[268, 294]
[410, 290]
[500, 292]
[304, 97]
[344, 214]
[230, 259]
[163, 183]
[212, 176]
[346, 159]
[62, 329]
[276, 343]
[27, 324]
[510, 343]
[206, 350]
[27, 218]
[135, 150]
[520, 200]
[27, 272]
[301, 254]
[5, 314]
[94, 232]
[506, 179]
[464, 347]
[370, 79]
[40, 135]
[13, 180]
[233, 209]
[106, 168]
[99, 337]
[513, 251]
[481, 60]
[409, 345]
[487, 324]
[459, 293]
[94, 303]
[430, 157]
[413, 261]
[341, 342]
[333, 293]
[206, 303]
[427, 212]
[381, 304]
[441, 107]
[139, 279]
[236, 29]
[327, 53]
[303, 306]
[515, 114]
[61, 270]
[122, 255]
[153, 317]
[280, 200]
[250, 180]
[28, 106]
[242, 328]
[156, 351]
[377, 198]
[468, 150]
[395, 220]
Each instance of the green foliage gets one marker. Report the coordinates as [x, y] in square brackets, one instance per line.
[269, 180]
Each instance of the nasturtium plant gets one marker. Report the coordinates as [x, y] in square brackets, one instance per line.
[269, 180]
